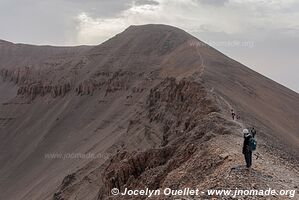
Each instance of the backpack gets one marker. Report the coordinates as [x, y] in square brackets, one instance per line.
[252, 144]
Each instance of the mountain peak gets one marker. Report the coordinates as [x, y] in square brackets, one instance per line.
[158, 30]
[146, 39]
[158, 27]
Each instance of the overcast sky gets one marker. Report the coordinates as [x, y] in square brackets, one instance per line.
[262, 34]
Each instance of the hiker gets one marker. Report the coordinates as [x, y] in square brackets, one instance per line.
[253, 132]
[248, 146]
[233, 114]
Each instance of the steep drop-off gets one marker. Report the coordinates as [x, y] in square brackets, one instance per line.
[152, 105]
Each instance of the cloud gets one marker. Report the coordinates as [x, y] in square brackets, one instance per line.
[236, 17]
[98, 8]
[213, 2]
[93, 30]
[61, 22]
[273, 26]
[146, 2]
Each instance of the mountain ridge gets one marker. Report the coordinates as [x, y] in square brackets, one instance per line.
[131, 100]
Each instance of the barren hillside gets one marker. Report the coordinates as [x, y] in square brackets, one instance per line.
[152, 105]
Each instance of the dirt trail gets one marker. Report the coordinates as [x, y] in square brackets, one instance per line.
[197, 45]
[268, 170]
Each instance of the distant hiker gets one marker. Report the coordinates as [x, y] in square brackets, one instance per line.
[249, 145]
[253, 132]
[233, 114]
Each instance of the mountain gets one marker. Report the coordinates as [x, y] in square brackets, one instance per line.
[149, 107]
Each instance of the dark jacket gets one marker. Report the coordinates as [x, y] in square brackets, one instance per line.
[246, 147]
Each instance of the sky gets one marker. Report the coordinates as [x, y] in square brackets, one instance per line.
[262, 34]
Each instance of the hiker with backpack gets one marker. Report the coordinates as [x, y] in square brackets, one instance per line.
[249, 146]
[233, 114]
[253, 132]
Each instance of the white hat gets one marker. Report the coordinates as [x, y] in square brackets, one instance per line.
[245, 131]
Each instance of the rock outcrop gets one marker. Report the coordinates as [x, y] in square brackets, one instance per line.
[152, 105]
[31, 85]
[187, 117]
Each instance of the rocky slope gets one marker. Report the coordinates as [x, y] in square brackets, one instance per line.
[152, 107]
